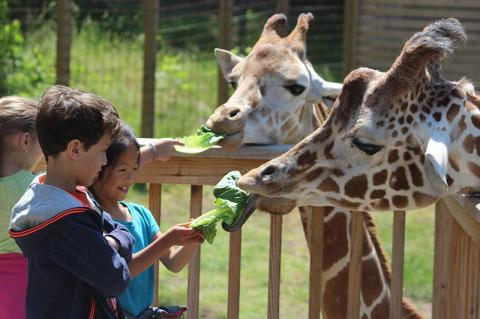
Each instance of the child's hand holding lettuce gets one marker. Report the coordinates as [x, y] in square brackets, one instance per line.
[201, 141]
[230, 201]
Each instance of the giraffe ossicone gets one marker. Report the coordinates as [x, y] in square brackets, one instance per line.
[394, 140]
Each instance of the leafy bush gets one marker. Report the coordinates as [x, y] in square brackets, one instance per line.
[19, 72]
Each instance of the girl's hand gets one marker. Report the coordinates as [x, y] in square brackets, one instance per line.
[165, 147]
[182, 234]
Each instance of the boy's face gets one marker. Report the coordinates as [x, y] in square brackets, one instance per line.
[117, 179]
[90, 161]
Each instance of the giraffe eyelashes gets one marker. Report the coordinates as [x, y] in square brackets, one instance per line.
[295, 89]
[365, 147]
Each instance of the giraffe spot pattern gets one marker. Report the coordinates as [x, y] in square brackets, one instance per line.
[416, 174]
[400, 201]
[450, 180]
[378, 193]
[380, 204]
[370, 274]
[314, 174]
[343, 203]
[328, 151]
[407, 156]
[452, 112]
[398, 180]
[474, 168]
[307, 158]
[453, 163]
[393, 156]
[459, 94]
[437, 116]
[476, 120]
[357, 186]
[380, 178]
[329, 185]
[422, 199]
[323, 135]
[468, 144]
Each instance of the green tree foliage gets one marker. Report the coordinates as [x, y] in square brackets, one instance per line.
[19, 72]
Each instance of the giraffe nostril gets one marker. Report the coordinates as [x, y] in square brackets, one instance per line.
[233, 114]
[269, 170]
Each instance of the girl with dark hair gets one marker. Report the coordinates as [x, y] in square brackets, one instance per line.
[110, 189]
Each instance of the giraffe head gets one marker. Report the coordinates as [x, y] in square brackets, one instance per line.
[391, 140]
[272, 86]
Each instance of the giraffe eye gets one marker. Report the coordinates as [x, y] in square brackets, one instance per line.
[295, 89]
[367, 148]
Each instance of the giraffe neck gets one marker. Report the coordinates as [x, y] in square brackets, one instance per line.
[375, 293]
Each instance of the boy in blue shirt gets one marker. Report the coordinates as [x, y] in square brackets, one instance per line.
[77, 256]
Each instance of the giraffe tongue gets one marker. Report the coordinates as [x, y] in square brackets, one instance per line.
[243, 215]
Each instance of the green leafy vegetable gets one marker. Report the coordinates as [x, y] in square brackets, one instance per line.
[201, 141]
[230, 201]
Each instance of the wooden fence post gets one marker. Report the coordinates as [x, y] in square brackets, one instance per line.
[64, 41]
[149, 67]
[283, 6]
[350, 22]
[225, 42]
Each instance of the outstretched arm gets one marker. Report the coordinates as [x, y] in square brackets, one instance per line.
[162, 246]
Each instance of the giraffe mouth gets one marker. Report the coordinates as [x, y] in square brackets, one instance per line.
[232, 141]
[244, 215]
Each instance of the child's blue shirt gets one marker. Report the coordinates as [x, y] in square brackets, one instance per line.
[139, 293]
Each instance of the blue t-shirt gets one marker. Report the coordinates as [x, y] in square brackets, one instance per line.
[139, 293]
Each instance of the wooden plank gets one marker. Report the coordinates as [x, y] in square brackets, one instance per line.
[442, 259]
[234, 261]
[350, 25]
[193, 291]
[433, 3]
[225, 42]
[155, 205]
[315, 301]
[64, 41]
[149, 67]
[274, 266]
[355, 267]
[397, 264]
[200, 171]
[265, 152]
[466, 214]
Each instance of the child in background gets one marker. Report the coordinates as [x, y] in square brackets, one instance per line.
[77, 256]
[19, 151]
[110, 188]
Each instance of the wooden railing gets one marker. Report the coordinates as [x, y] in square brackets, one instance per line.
[457, 250]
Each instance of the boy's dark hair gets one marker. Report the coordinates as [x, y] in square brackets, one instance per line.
[65, 114]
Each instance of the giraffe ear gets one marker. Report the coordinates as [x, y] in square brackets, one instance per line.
[227, 61]
[436, 160]
[320, 88]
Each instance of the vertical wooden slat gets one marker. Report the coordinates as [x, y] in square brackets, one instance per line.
[233, 307]
[155, 205]
[149, 67]
[194, 265]
[442, 261]
[350, 21]
[225, 42]
[397, 264]
[316, 262]
[282, 6]
[64, 41]
[355, 267]
[274, 266]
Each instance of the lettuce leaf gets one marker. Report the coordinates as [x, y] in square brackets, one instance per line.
[201, 141]
[230, 201]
